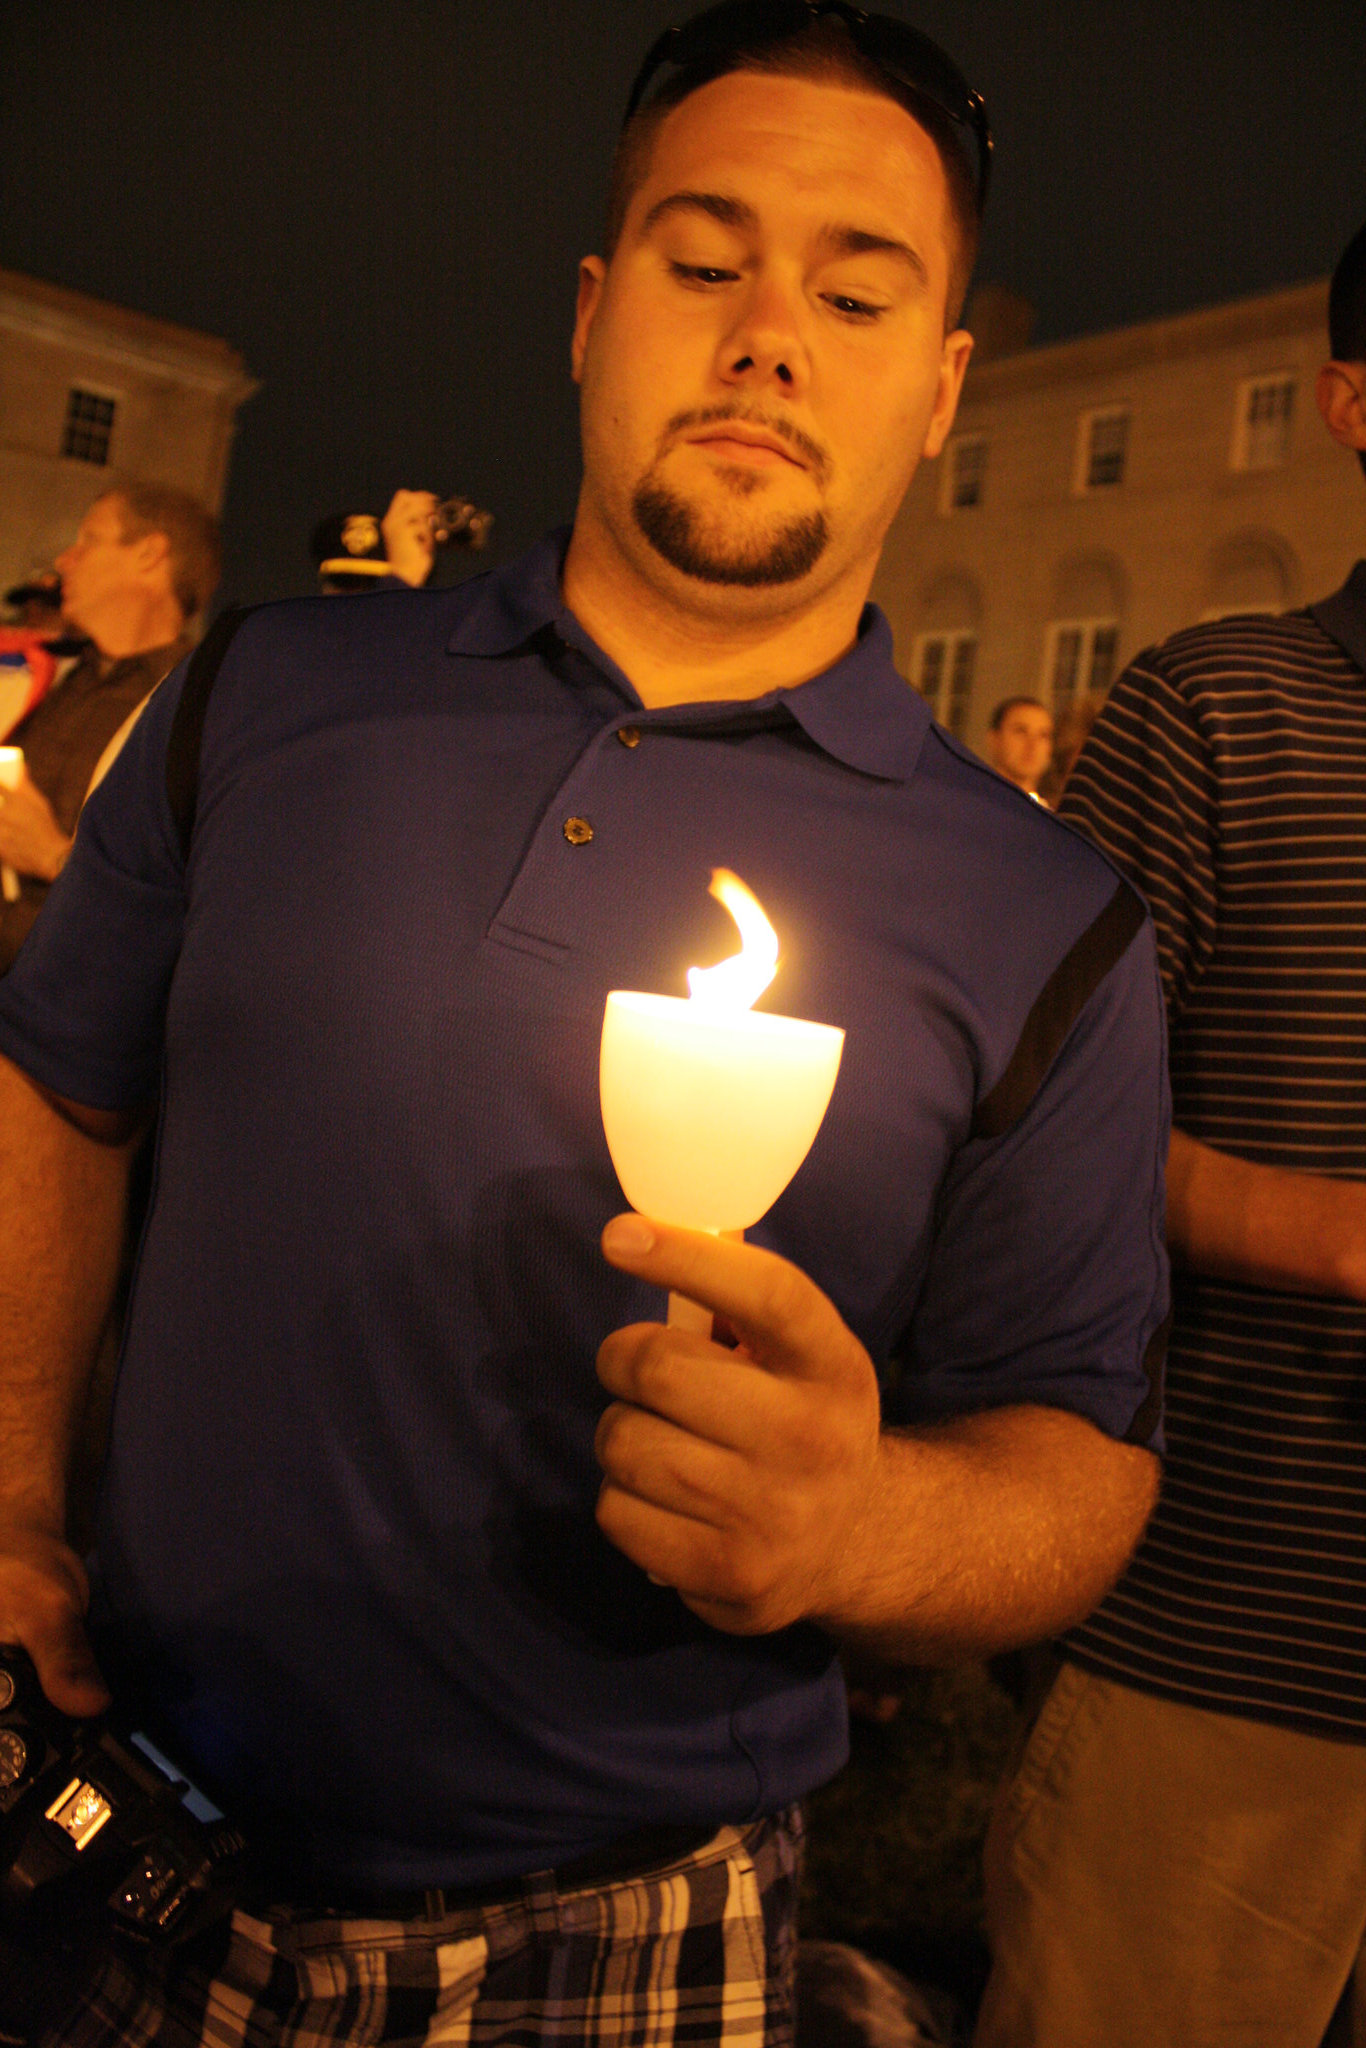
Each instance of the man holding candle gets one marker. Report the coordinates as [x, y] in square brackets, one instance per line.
[513, 1683]
[143, 563]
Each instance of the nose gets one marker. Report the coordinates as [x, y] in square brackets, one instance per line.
[766, 346]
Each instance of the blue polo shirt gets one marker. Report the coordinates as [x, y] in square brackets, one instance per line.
[347, 1559]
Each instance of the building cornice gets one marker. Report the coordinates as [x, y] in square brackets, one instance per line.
[1299, 309]
[124, 339]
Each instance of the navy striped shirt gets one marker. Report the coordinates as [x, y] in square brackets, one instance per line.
[1227, 777]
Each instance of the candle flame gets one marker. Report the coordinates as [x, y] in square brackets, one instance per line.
[737, 982]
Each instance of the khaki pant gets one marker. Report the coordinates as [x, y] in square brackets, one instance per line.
[1163, 1877]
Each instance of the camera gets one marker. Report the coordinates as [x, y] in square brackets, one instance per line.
[456, 523]
[98, 1834]
[348, 547]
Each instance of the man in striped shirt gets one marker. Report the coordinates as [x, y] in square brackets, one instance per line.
[1181, 1857]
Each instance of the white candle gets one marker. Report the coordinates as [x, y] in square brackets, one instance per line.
[11, 772]
[709, 1106]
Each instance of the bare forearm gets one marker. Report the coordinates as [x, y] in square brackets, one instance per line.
[988, 1532]
[1303, 1232]
[62, 1196]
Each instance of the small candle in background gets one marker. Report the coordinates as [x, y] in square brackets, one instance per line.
[11, 774]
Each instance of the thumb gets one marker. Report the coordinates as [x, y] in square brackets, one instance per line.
[780, 1316]
[66, 1667]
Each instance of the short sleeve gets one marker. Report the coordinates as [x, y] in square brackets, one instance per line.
[1048, 1279]
[83, 1007]
[1144, 791]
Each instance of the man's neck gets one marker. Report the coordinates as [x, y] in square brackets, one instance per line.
[704, 642]
[136, 627]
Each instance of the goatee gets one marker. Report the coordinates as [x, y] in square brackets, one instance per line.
[674, 531]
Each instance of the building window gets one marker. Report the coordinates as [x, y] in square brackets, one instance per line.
[944, 665]
[89, 426]
[1079, 660]
[1102, 449]
[966, 473]
[1261, 432]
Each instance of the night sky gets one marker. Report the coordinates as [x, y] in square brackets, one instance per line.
[382, 205]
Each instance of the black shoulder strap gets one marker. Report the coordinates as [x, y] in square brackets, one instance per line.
[187, 727]
[1060, 1002]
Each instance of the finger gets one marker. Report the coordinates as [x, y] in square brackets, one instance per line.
[781, 1317]
[42, 1601]
[68, 1673]
[712, 1392]
[691, 1557]
[64, 1662]
[676, 1550]
[670, 1467]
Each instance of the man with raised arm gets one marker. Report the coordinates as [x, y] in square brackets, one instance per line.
[502, 1617]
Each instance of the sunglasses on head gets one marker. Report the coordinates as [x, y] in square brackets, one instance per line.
[739, 26]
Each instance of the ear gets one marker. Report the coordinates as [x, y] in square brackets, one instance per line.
[953, 363]
[1341, 393]
[151, 550]
[592, 274]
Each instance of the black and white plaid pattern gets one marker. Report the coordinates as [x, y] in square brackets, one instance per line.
[698, 1952]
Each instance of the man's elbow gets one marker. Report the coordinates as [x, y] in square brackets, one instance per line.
[1110, 1534]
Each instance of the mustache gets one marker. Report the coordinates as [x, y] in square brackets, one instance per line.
[810, 451]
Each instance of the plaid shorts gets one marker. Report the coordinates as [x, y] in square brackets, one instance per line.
[698, 1951]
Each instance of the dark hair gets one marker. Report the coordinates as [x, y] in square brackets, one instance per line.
[825, 53]
[1347, 303]
[191, 535]
[1009, 704]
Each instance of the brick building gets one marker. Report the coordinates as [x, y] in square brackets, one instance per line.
[88, 390]
[1098, 494]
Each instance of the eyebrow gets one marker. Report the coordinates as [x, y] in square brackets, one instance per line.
[840, 239]
[732, 213]
[847, 241]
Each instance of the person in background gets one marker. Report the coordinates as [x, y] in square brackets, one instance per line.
[354, 551]
[1071, 731]
[1181, 1859]
[499, 1614]
[144, 563]
[1020, 742]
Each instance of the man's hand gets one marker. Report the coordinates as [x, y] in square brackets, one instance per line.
[407, 530]
[43, 1597]
[761, 1485]
[31, 840]
[736, 1476]
[63, 1181]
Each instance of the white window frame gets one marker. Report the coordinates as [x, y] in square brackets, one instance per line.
[949, 501]
[1259, 445]
[950, 698]
[1088, 632]
[102, 393]
[1087, 426]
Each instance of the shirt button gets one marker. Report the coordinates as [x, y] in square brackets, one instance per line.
[629, 735]
[577, 831]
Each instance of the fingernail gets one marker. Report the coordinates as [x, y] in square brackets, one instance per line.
[628, 1236]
